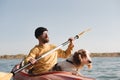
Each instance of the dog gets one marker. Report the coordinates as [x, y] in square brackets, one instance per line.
[75, 63]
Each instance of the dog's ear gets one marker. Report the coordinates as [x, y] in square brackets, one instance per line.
[77, 58]
[82, 52]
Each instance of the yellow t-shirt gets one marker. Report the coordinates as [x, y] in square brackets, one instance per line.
[46, 63]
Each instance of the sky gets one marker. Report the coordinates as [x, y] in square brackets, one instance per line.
[63, 19]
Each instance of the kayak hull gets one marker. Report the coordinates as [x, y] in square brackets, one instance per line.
[57, 75]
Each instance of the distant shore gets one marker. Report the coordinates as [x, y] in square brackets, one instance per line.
[17, 56]
[113, 54]
[21, 56]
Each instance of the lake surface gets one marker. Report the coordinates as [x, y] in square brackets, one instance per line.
[104, 68]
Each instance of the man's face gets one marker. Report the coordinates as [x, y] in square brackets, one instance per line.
[44, 37]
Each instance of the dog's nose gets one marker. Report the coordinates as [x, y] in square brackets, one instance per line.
[89, 61]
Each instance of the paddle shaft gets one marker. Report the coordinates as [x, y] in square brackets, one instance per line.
[49, 52]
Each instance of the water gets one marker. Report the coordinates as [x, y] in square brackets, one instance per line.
[105, 68]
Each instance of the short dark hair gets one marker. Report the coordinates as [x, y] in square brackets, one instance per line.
[39, 31]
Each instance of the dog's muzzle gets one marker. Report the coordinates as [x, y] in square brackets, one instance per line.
[89, 61]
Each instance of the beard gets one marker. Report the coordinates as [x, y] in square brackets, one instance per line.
[45, 40]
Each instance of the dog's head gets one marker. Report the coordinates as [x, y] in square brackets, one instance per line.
[82, 57]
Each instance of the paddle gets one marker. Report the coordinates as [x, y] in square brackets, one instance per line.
[7, 76]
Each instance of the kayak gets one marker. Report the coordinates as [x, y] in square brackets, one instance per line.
[56, 75]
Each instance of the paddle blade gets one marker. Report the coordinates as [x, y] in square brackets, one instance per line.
[5, 76]
[84, 32]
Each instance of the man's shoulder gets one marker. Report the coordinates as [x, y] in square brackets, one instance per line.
[52, 45]
[35, 48]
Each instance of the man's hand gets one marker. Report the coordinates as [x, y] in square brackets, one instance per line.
[71, 39]
[33, 61]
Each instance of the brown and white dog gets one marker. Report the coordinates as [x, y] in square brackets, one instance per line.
[75, 63]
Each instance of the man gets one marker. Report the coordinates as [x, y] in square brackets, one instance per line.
[47, 63]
